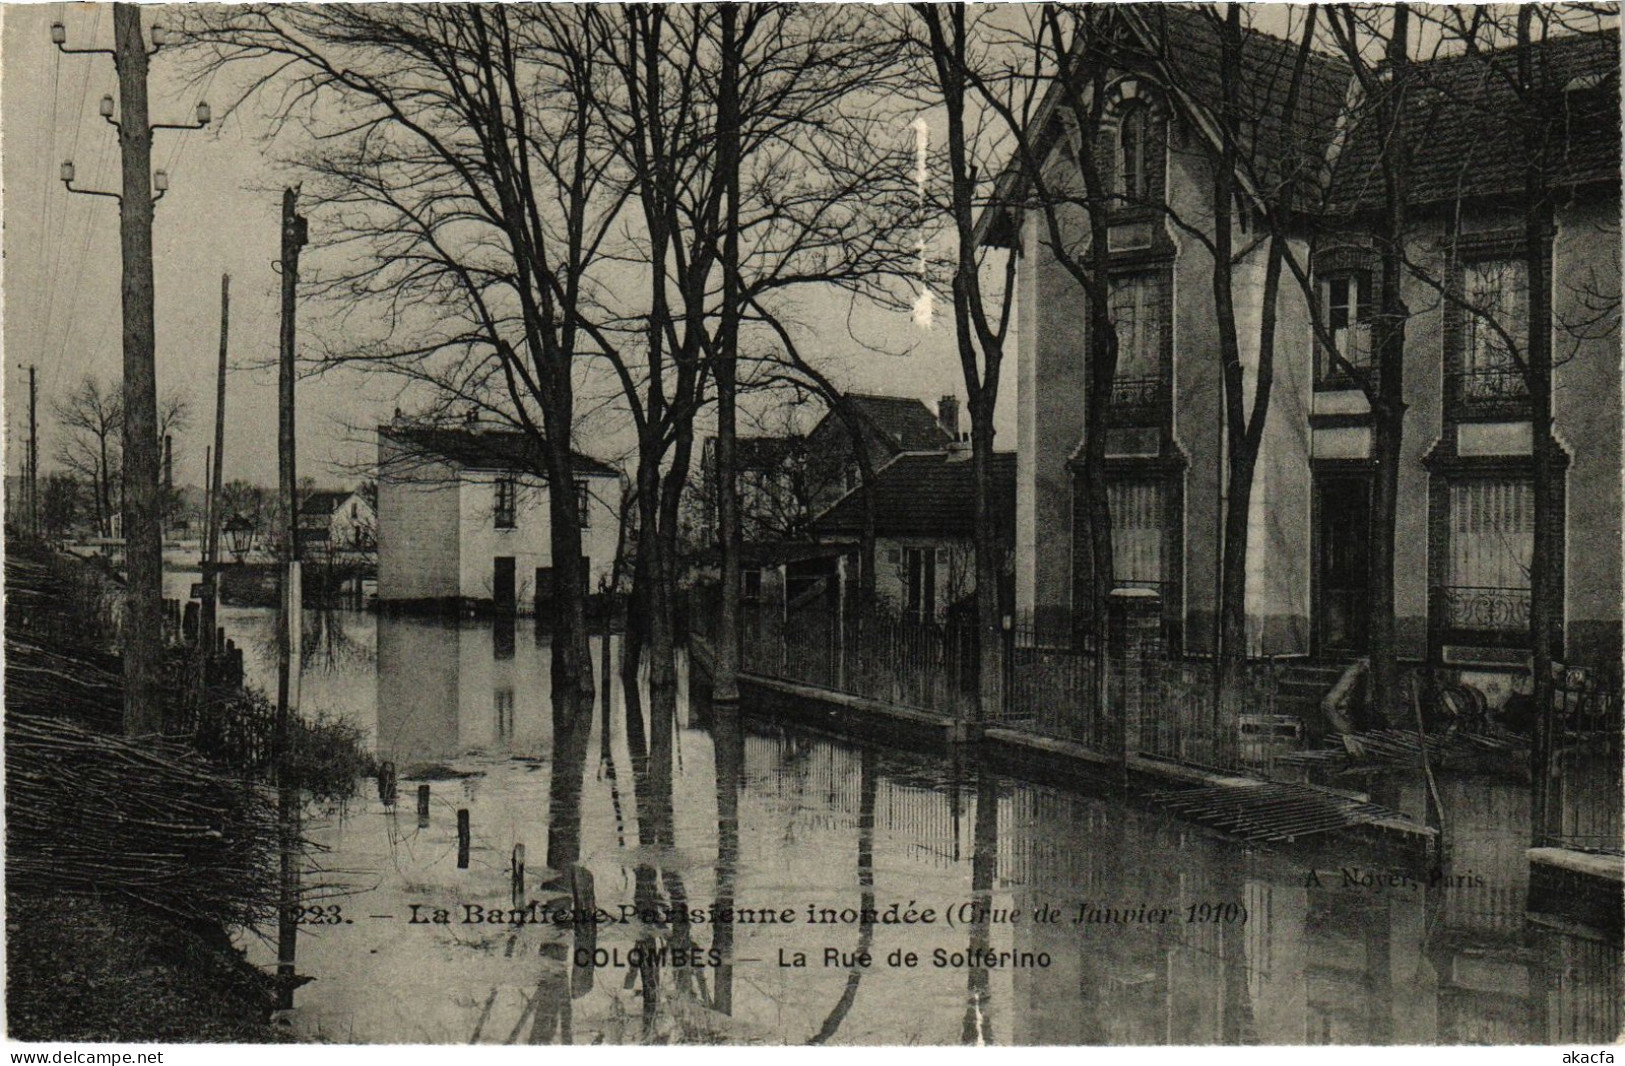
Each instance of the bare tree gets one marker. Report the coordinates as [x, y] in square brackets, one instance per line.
[1507, 305]
[758, 139]
[1266, 155]
[951, 43]
[91, 422]
[469, 196]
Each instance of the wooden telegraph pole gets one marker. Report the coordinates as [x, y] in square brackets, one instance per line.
[287, 680]
[211, 549]
[143, 535]
[32, 473]
[143, 542]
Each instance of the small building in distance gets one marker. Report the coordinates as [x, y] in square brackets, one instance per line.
[891, 425]
[925, 509]
[463, 518]
[335, 523]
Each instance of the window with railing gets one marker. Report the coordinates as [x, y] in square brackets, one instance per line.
[507, 501]
[583, 504]
[1487, 375]
[1139, 315]
[1490, 551]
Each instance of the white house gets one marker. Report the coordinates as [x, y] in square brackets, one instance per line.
[463, 518]
[335, 522]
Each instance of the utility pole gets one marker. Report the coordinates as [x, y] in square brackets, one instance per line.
[32, 472]
[142, 517]
[143, 540]
[288, 637]
[213, 471]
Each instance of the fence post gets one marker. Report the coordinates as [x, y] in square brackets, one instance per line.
[1133, 623]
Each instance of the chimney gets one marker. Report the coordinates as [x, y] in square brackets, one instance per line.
[960, 449]
[948, 416]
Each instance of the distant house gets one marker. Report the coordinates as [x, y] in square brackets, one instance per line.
[335, 522]
[784, 481]
[925, 561]
[891, 425]
[774, 492]
[463, 517]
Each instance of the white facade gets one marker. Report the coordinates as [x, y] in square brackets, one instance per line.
[528, 540]
[448, 531]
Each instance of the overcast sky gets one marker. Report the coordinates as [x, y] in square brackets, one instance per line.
[61, 269]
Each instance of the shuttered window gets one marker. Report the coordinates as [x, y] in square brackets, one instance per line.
[1492, 533]
[1139, 521]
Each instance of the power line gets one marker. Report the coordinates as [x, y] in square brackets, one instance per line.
[62, 245]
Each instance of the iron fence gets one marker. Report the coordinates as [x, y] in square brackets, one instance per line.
[911, 662]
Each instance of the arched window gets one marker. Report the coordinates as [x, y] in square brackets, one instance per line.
[1140, 149]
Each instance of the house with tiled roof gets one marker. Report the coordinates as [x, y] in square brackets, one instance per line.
[336, 522]
[463, 518]
[890, 425]
[1466, 487]
[924, 515]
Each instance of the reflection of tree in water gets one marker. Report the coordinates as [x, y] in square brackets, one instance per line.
[325, 645]
[866, 897]
[978, 1028]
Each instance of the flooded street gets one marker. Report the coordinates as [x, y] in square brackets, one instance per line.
[999, 911]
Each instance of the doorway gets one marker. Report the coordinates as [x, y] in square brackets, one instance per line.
[1342, 557]
[502, 583]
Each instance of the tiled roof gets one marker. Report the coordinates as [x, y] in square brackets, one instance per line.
[926, 494]
[1465, 140]
[1181, 48]
[907, 422]
[485, 449]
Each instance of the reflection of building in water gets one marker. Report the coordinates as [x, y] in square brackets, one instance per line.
[1311, 964]
[819, 782]
[446, 688]
[1335, 949]
[1504, 976]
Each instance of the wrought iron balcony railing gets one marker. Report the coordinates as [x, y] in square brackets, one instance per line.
[1138, 401]
[1501, 390]
[1483, 609]
[1136, 392]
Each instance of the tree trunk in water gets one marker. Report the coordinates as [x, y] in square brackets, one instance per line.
[989, 631]
[727, 649]
[572, 680]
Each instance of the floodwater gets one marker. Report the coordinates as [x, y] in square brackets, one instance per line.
[975, 884]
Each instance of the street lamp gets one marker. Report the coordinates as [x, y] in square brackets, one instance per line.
[240, 532]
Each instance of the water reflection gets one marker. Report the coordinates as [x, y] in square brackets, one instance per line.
[698, 809]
